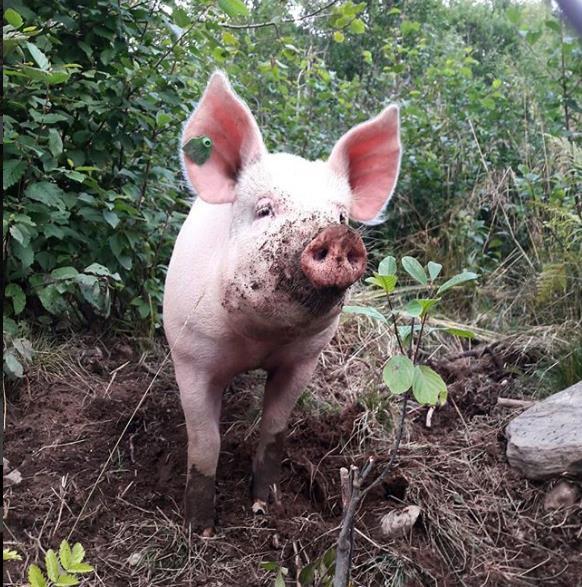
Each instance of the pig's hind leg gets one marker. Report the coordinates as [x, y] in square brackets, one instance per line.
[284, 386]
[201, 400]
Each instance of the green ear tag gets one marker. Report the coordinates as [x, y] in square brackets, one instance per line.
[198, 149]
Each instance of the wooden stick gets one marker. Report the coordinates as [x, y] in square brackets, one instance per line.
[509, 402]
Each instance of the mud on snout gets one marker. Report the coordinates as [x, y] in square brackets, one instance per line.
[294, 279]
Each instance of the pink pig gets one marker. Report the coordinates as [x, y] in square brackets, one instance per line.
[260, 271]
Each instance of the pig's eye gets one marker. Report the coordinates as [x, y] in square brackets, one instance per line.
[343, 218]
[264, 209]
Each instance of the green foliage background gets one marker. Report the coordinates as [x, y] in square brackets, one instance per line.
[96, 93]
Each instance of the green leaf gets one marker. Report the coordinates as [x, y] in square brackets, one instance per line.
[75, 175]
[10, 555]
[180, 17]
[63, 273]
[24, 348]
[270, 566]
[428, 386]
[162, 118]
[52, 565]
[365, 311]
[51, 299]
[307, 574]
[414, 269]
[233, 8]
[280, 580]
[78, 554]
[357, 27]
[434, 270]
[339, 37]
[80, 568]
[460, 332]
[405, 330]
[40, 58]
[9, 326]
[98, 269]
[457, 280]
[386, 282]
[47, 193]
[229, 39]
[367, 55]
[18, 296]
[66, 580]
[24, 254]
[35, 577]
[513, 14]
[328, 558]
[111, 218]
[413, 309]
[398, 374]
[420, 307]
[554, 25]
[65, 555]
[14, 367]
[387, 266]
[408, 27]
[13, 18]
[12, 171]
[20, 234]
[55, 142]
[58, 77]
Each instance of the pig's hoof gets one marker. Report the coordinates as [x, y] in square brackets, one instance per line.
[259, 507]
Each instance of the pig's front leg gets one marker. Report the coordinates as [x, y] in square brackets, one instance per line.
[201, 400]
[284, 386]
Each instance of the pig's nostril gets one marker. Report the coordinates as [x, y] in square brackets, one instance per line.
[320, 254]
[353, 258]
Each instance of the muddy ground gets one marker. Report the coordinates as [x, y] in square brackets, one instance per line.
[113, 479]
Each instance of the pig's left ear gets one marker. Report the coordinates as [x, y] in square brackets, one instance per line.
[369, 156]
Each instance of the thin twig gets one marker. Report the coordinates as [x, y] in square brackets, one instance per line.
[400, 345]
[395, 448]
[356, 495]
[260, 25]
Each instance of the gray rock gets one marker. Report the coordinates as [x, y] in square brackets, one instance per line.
[400, 522]
[546, 440]
[563, 495]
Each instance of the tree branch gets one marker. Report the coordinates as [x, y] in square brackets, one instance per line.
[260, 25]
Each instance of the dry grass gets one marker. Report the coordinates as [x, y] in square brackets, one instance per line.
[480, 523]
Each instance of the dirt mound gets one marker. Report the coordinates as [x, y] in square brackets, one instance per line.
[95, 463]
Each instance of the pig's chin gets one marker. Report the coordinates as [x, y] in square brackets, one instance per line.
[315, 302]
[284, 304]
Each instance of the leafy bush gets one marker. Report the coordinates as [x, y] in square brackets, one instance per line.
[95, 95]
[62, 570]
[404, 372]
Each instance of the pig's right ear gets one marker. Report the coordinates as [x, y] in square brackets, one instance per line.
[236, 141]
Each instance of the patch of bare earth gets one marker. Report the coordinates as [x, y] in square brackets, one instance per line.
[112, 477]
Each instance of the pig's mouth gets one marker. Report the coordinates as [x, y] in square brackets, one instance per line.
[316, 301]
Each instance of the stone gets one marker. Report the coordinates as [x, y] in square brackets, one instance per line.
[546, 440]
[399, 522]
[563, 495]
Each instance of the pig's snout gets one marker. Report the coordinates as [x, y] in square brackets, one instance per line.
[336, 257]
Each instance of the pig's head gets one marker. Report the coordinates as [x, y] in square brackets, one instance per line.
[291, 256]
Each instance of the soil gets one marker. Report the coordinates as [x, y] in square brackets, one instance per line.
[481, 523]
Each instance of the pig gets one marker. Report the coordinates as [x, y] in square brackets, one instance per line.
[260, 271]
